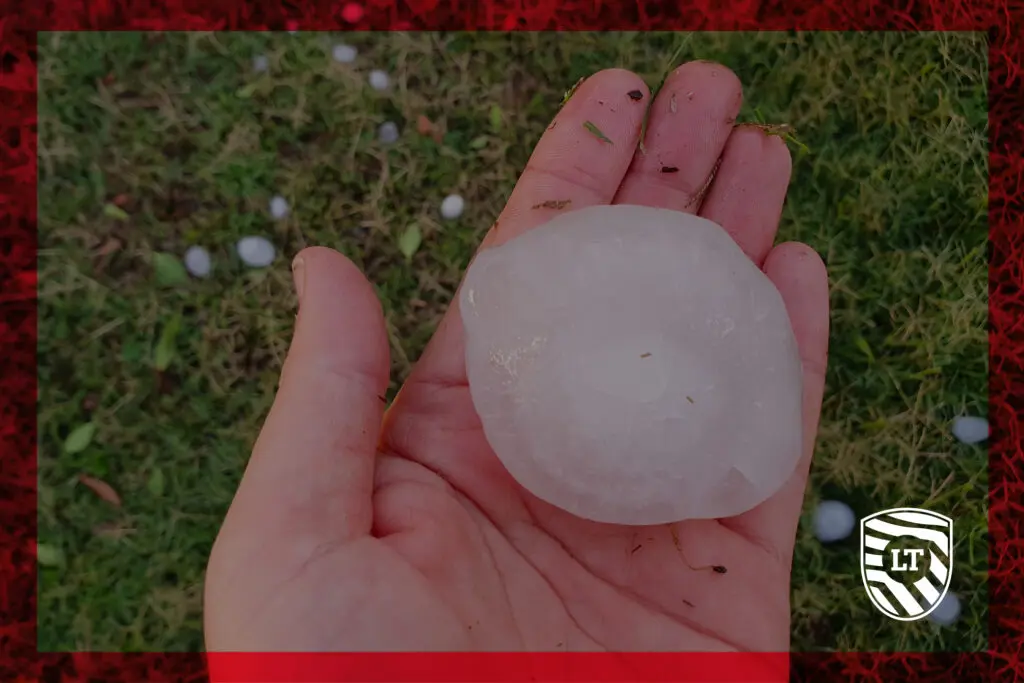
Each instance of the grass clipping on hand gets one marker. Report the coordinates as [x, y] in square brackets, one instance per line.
[596, 132]
[782, 130]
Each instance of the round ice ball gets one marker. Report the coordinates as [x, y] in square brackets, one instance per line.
[255, 251]
[388, 133]
[344, 54]
[279, 207]
[452, 206]
[197, 261]
[947, 611]
[833, 521]
[970, 430]
[379, 80]
[631, 365]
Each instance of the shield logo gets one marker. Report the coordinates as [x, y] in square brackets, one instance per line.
[906, 561]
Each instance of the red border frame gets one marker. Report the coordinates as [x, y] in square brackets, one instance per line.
[19, 659]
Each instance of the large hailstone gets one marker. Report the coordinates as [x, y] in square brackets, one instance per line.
[631, 365]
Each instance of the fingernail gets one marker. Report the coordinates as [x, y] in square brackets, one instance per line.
[299, 276]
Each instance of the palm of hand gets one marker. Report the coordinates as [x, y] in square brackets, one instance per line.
[430, 545]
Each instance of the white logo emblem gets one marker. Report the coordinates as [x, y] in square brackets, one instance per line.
[906, 561]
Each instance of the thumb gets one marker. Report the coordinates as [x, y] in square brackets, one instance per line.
[312, 467]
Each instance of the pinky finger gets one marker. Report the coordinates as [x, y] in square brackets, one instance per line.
[800, 276]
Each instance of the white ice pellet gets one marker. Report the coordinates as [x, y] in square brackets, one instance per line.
[452, 206]
[260, 63]
[947, 611]
[197, 261]
[388, 133]
[379, 80]
[256, 251]
[970, 430]
[279, 207]
[833, 521]
[344, 54]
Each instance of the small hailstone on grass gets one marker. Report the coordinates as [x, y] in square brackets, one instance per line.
[970, 430]
[260, 63]
[388, 133]
[452, 206]
[278, 207]
[255, 251]
[379, 80]
[344, 54]
[197, 261]
[947, 611]
[833, 521]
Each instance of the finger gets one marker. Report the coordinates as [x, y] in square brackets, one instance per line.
[582, 156]
[311, 471]
[749, 190]
[572, 165]
[801, 278]
[690, 121]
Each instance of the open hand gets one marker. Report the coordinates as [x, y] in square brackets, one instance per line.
[358, 530]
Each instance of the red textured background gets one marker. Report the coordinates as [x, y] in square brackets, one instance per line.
[19, 23]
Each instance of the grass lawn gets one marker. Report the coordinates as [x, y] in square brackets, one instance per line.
[153, 142]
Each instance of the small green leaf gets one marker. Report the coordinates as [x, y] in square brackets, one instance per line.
[156, 483]
[49, 555]
[96, 179]
[134, 351]
[862, 345]
[496, 118]
[875, 425]
[165, 348]
[597, 132]
[80, 438]
[410, 241]
[168, 269]
[114, 211]
[46, 497]
[478, 142]
[247, 91]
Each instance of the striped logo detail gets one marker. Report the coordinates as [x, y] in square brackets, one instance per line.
[906, 561]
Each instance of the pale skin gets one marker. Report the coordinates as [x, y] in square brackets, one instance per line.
[360, 529]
